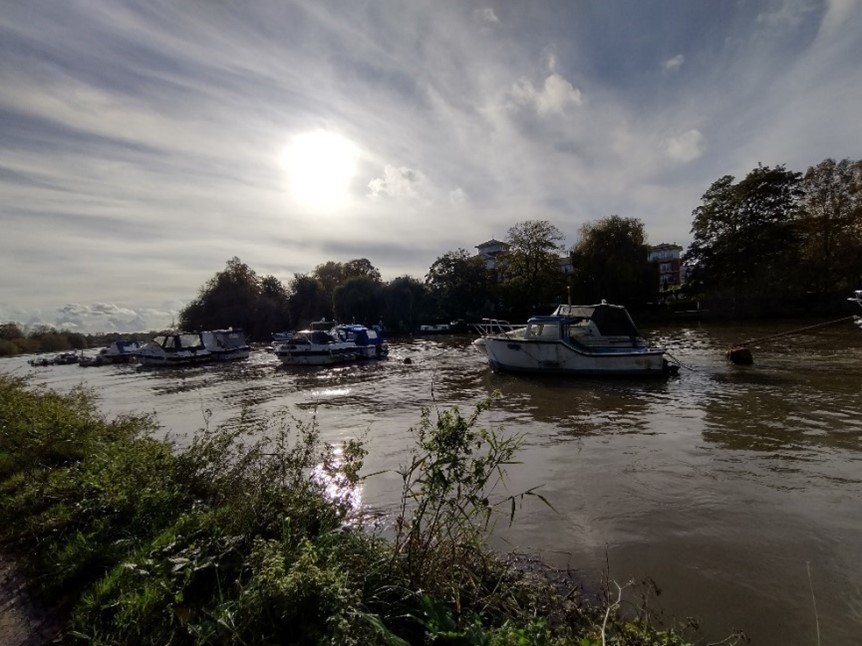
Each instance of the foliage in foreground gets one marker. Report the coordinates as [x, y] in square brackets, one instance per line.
[237, 540]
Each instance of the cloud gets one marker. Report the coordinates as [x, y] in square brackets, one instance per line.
[397, 183]
[554, 97]
[685, 147]
[109, 317]
[788, 15]
[486, 15]
[673, 64]
[457, 196]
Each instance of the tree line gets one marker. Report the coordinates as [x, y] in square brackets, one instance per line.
[774, 242]
[778, 241]
[609, 261]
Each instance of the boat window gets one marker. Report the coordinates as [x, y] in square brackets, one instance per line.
[321, 338]
[189, 340]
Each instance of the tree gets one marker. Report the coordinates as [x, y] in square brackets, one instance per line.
[831, 226]
[406, 303]
[332, 274]
[530, 269]
[743, 254]
[358, 300]
[10, 331]
[308, 301]
[460, 285]
[272, 311]
[228, 299]
[610, 261]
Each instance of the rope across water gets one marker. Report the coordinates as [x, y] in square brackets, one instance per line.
[740, 354]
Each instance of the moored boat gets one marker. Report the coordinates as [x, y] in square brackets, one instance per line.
[122, 351]
[177, 349]
[62, 359]
[315, 348]
[596, 339]
[368, 342]
[226, 345]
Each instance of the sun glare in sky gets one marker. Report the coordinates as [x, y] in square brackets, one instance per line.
[320, 165]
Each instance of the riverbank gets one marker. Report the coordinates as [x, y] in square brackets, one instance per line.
[231, 541]
[24, 620]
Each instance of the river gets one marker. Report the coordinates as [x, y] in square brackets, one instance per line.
[736, 489]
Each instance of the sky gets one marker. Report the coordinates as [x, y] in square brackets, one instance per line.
[145, 144]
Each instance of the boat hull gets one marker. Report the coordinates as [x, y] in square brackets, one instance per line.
[557, 357]
[169, 359]
[315, 357]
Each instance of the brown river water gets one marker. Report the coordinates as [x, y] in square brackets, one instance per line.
[736, 489]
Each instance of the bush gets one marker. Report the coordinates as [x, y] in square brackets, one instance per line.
[250, 537]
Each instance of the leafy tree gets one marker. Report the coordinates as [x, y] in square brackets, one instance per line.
[272, 310]
[743, 254]
[831, 226]
[332, 274]
[358, 300]
[460, 285]
[406, 303]
[360, 267]
[610, 261]
[530, 268]
[229, 299]
[308, 301]
[10, 332]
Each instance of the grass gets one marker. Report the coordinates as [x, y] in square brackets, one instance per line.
[238, 539]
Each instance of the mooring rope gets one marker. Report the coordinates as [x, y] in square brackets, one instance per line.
[789, 332]
[680, 363]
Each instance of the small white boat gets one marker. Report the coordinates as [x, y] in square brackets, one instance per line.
[179, 349]
[226, 345]
[315, 348]
[123, 351]
[575, 340]
[368, 342]
[62, 359]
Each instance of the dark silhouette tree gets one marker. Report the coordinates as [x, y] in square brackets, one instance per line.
[460, 286]
[237, 297]
[609, 262]
[744, 254]
[831, 226]
[308, 301]
[530, 269]
[359, 300]
[406, 303]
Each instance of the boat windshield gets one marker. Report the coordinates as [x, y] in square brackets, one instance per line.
[543, 329]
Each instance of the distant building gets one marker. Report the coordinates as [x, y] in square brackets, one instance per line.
[490, 251]
[667, 257]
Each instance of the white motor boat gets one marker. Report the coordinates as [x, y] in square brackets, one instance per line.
[576, 340]
[123, 351]
[368, 342]
[315, 348]
[226, 345]
[179, 349]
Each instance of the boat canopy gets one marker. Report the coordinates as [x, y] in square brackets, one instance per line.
[611, 320]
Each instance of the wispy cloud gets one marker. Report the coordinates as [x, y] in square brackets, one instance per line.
[142, 144]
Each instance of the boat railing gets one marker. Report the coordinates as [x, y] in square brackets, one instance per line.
[490, 326]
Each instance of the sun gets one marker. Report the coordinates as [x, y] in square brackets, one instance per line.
[320, 166]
